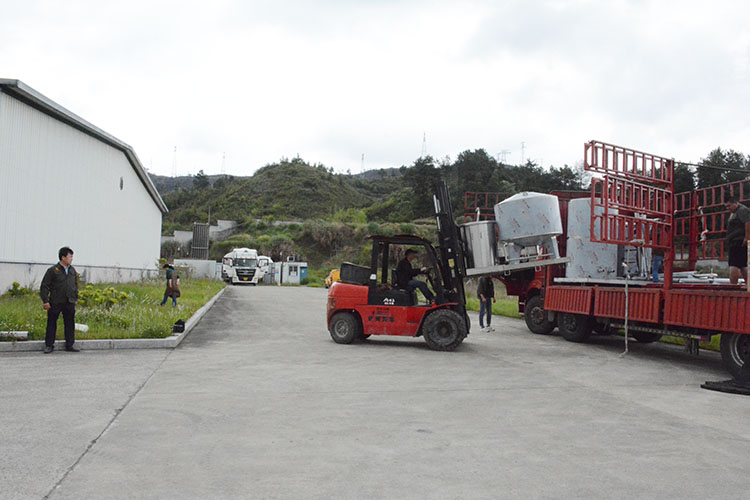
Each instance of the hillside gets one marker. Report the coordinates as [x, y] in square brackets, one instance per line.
[286, 190]
[165, 184]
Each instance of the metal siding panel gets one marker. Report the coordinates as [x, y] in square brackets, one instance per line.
[61, 187]
[570, 299]
[709, 310]
[643, 305]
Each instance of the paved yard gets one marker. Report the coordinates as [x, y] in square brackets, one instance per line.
[259, 403]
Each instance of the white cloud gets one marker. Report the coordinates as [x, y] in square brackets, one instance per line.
[332, 80]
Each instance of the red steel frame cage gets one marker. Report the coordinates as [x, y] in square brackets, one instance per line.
[632, 203]
[700, 221]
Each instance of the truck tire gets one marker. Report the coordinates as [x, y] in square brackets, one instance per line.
[444, 330]
[734, 350]
[575, 327]
[645, 337]
[536, 317]
[344, 328]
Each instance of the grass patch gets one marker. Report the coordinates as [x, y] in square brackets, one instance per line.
[137, 317]
[505, 306]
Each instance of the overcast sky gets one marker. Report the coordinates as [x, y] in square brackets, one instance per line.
[331, 80]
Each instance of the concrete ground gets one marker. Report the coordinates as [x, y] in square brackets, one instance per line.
[259, 403]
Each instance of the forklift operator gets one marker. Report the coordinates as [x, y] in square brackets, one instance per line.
[405, 275]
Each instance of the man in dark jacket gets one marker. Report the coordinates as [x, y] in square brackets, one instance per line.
[738, 235]
[59, 292]
[486, 294]
[405, 276]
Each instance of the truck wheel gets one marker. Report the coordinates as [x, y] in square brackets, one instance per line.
[344, 328]
[646, 337]
[444, 330]
[575, 327]
[536, 316]
[734, 350]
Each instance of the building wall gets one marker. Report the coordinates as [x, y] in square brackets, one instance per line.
[60, 186]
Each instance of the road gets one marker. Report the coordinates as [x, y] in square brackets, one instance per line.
[259, 403]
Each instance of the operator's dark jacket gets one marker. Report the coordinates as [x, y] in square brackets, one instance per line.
[59, 288]
[404, 273]
[486, 288]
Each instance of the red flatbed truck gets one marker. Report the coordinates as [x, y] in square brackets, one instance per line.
[633, 203]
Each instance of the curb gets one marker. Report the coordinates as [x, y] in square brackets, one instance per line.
[101, 344]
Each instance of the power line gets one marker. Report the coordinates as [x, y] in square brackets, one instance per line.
[716, 167]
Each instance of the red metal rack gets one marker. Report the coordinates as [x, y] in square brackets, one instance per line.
[700, 221]
[632, 203]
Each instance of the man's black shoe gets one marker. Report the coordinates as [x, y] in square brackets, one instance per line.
[72, 348]
[48, 349]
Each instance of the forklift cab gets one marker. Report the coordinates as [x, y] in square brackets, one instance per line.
[383, 287]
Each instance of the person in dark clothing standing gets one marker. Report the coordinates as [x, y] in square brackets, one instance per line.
[172, 289]
[485, 292]
[405, 276]
[657, 255]
[59, 293]
[738, 235]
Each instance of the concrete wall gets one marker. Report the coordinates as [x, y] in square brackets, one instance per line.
[200, 268]
[30, 275]
[61, 187]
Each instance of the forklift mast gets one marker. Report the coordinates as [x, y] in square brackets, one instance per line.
[450, 248]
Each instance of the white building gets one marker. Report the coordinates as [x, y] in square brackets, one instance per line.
[64, 182]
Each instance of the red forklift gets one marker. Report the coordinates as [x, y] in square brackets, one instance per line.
[368, 300]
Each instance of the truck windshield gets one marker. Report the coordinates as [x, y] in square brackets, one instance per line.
[245, 263]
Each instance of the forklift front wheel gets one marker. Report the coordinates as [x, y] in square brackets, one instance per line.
[344, 328]
[444, 330]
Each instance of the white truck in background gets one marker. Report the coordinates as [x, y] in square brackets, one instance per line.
[244, 265]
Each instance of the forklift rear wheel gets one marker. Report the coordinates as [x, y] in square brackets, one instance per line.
[735, 348]
[444, 330]
[536, 316]
[575, 327]
[645, 337]
[344, 328]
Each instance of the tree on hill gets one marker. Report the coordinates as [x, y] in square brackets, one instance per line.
[200, 180]
[421, 178]
[731, 159]
[473, 171]
[684, 178]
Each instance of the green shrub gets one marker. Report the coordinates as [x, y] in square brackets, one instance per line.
[103, 297]
[16, 290]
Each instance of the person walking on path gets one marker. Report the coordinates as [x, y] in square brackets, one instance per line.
[172, 289]
[485, 292]
[59, 293]
[738, 235]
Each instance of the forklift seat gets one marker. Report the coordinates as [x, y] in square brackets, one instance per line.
[402, 296]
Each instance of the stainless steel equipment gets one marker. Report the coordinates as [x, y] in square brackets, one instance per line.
[528, 224]
[481, 243]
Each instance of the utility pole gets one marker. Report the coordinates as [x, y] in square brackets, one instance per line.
[424, 145]
[502, 156]
[362, 166]
[523, 151]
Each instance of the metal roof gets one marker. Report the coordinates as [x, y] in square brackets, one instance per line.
[23, 92]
